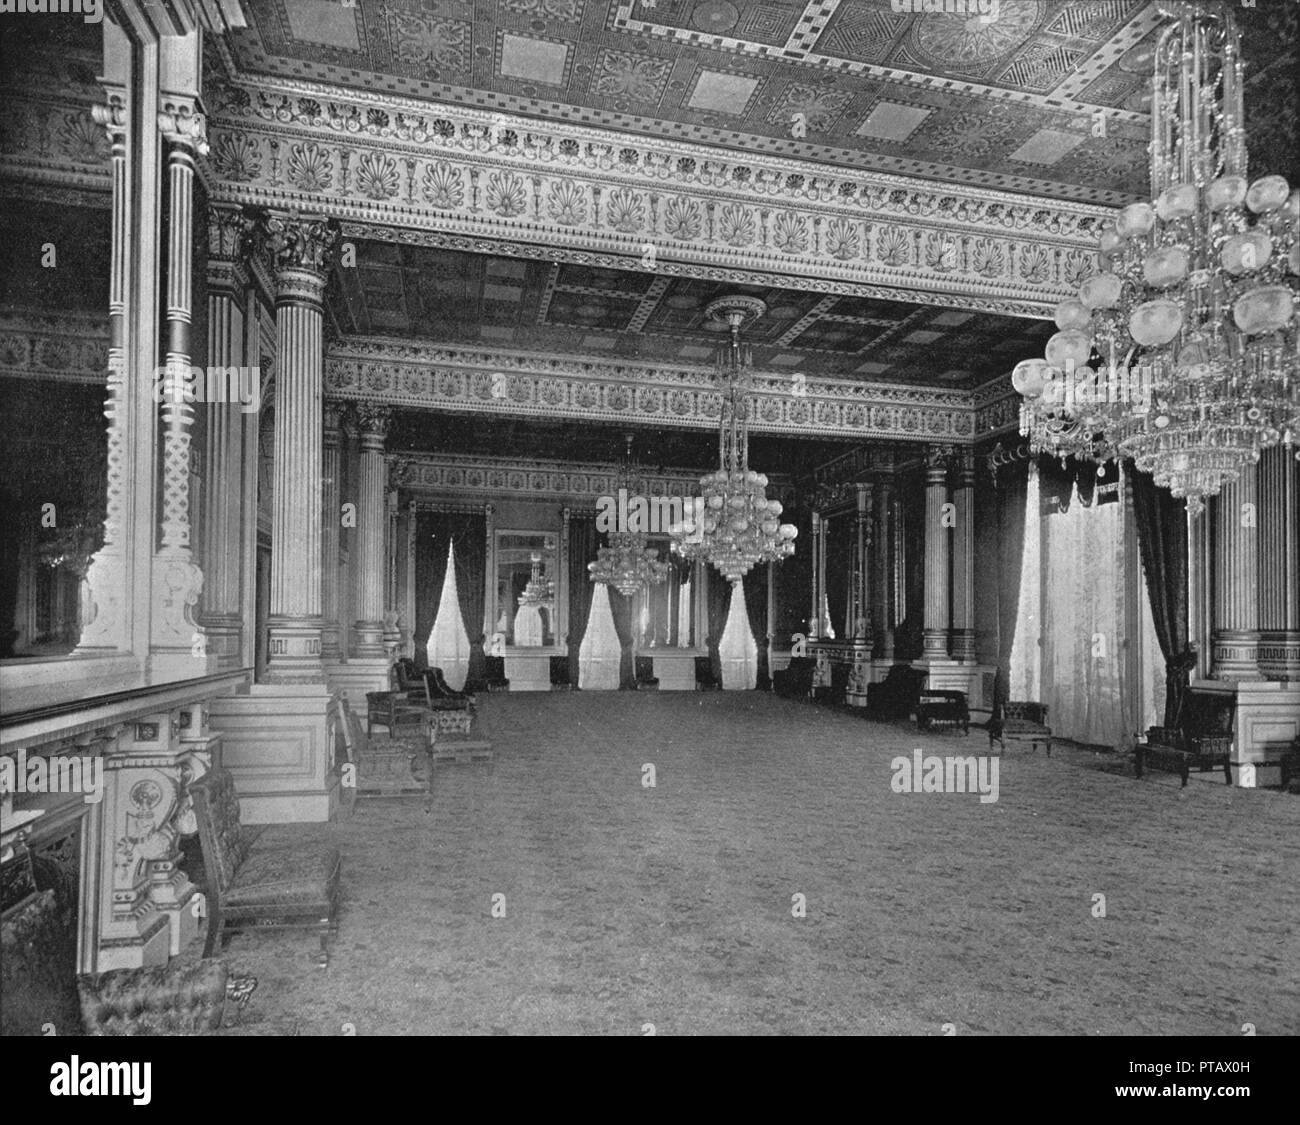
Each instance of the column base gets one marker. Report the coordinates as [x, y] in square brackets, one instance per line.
[224, 637]
[1279, 655]
[295, 656]
[934, 644]
[1236, 655]
[329, 642]
[368, 641]
[963, 645]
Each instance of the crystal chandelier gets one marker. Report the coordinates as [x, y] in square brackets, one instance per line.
[539, 591]
[738, 523]
[627, 563]
[1182, 353]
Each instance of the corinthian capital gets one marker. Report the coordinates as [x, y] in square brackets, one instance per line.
[299, 242]
[374, 421]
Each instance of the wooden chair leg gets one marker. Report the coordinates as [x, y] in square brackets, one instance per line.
[212, 941]
[1227, 772]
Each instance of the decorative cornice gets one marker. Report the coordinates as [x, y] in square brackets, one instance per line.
[506, 476]
[489, 381]
[69, 347]
[397, 163]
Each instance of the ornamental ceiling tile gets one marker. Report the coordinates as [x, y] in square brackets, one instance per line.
[551, 308]
[854, 84]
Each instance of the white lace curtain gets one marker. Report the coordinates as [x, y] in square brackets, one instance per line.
[738, 651]
[448, 644]
[1069, 650]
[600, 654]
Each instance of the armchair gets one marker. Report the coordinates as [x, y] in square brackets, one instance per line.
[1021, 721]
[262, 876]
[392, 710]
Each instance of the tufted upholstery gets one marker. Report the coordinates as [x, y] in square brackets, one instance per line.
[233, 840]
[175, 999]
[277, 882]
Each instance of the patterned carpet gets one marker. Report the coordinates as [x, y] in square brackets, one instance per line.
[672, 906]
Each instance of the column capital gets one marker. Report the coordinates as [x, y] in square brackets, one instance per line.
[937, 458]
[299, 243]
[374, 420]
[966, 469]
[181, 121]
[112, 116]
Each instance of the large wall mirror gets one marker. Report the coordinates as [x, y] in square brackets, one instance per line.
[666, 614]
[527, 581]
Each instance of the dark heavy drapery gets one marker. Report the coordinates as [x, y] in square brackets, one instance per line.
[433, 531]
[1162, 542]
[716, 605]
[582, 550]
[756, 602]
[1012, 484]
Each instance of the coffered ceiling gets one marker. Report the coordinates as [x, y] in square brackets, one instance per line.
[562, 308]
[1008, 102]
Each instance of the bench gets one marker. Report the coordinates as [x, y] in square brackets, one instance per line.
[1201, 740]
[260, 876]
[942, 709]
[179, 998]
[1021, 721]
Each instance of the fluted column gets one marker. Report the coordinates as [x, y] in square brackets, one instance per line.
[1236, 580]
[330, 517]
[300, 248]
[882, 612]
[815, 617]
[862, 566]
[177, 579]
[371, 519]
[392, 634]
[963, 562]
[223, 442]
[937, 557]
[103, 616]
[1279, 564]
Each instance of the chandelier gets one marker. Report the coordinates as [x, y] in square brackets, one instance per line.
[738, 525]
[1182, 353]
[627, 563]
[539, 591]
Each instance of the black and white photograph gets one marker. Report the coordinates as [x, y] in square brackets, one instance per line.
[658, 518]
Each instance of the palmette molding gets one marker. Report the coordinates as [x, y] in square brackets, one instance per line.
[462, 173]
[460, 379]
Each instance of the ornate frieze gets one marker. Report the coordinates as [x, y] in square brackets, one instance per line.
[506, 476]
[56, 139]
[997, 406]
[71, 347]
[486, 381]
[471, 174]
